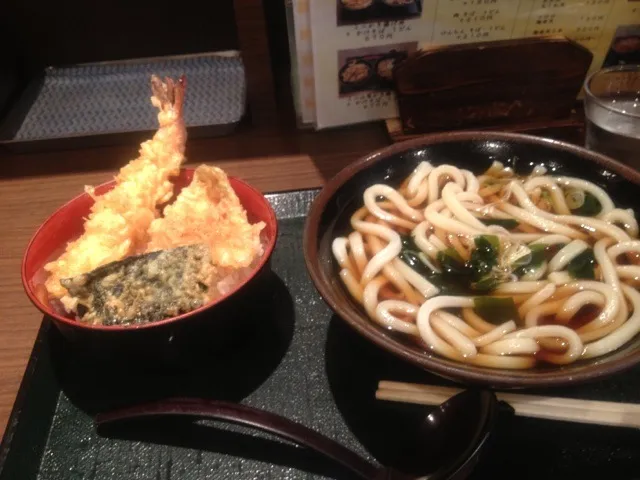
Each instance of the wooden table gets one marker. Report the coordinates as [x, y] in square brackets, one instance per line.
[32, 186]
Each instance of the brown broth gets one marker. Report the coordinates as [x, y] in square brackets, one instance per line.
[547, 320]
[585, 315]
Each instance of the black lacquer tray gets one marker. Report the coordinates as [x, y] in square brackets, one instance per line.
[295, 358]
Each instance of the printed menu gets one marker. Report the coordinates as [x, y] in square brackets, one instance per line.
[346, 49]
[302, 74]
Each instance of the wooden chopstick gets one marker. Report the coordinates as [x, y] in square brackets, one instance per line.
[552, 408]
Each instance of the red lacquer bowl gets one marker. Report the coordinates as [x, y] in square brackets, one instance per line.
[66, 224]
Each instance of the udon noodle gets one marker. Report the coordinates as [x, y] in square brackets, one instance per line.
[496, 270]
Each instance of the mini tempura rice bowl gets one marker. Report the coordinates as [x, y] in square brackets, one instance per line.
[351, 276]
[66, 224]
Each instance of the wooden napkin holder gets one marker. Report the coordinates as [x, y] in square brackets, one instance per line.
[525, 85]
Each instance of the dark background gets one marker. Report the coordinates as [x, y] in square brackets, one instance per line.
[35, 34]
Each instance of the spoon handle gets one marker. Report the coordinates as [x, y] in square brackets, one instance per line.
[248, 417]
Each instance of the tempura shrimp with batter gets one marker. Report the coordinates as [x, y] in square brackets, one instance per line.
[119, 220]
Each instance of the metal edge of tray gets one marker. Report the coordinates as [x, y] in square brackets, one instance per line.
[13, 120]
[110, 139]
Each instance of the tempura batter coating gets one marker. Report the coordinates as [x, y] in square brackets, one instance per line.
[208, 211]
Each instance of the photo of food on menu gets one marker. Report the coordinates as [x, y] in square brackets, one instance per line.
[370, 69]
[363, 11]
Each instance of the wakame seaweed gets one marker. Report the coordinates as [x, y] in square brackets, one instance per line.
[507, 223]
[410, 254]
[538, 255]
[482, 262]
[457, 276]
[583, 265]
[590, 208]
[496, 310]
[412, 259]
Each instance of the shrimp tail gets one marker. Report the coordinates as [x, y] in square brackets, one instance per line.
[168, 95]
[179, 91]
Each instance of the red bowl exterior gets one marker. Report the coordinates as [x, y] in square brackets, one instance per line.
[66, 224]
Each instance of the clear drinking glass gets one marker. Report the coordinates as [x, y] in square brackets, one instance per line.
[612, 110]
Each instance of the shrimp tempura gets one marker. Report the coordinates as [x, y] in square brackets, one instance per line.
[118, 223]
[208, 211]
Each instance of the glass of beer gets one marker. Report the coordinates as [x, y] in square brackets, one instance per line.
[612, 110]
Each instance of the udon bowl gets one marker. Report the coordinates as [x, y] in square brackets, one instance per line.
[66, 224]
[342, 195]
